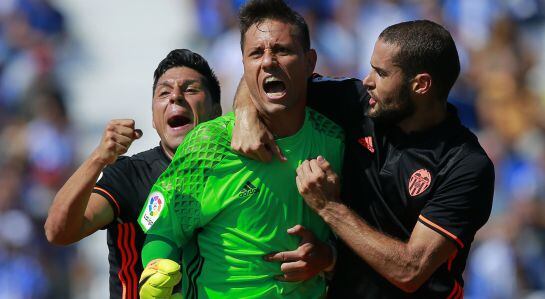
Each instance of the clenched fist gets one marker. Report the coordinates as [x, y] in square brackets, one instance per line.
[317, 183]
[116, 140]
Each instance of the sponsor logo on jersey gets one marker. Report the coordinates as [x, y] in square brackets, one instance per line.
[247, 190]
[156, 202]
[419, 182]
[367, 142]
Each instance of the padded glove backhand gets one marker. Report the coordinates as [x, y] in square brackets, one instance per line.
[158, 279]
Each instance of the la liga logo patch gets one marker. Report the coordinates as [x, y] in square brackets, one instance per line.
[156, 203]
[419, 182]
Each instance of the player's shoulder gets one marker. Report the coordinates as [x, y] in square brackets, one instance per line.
[324, 125]
[336, 86]
[149, 156]
[473, 154]
[218, 128]
[121, 165]
[344, 99]
[319, 79]
[214, 133]
[467, 154]
[140, 162]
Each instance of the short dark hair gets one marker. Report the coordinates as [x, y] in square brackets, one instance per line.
[192, 60]
[256, 11]
[425, 46]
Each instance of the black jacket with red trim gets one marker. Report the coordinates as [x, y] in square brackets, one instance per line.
[126, 185]
[441, 177]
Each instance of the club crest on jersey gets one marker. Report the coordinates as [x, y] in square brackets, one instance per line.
[367, 142]
[155, 205]
[419, 182]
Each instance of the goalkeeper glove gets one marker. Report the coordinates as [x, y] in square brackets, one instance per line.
[158, 279]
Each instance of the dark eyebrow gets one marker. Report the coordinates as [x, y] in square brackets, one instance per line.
[376, 68]
[170, 83]
[164, 83]
[254, 48]
[278, 45]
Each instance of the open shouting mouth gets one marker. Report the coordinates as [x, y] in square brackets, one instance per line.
[178, 121]
[274, 87]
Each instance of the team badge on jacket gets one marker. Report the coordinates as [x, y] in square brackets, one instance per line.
[420, 181]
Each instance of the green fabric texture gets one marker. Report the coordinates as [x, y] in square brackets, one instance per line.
[226, 211]
[159, 246]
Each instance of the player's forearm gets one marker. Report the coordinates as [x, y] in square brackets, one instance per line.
[393, 259]
[243, 100]
[66, 221]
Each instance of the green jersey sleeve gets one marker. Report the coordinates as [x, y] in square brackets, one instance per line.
[173, 209]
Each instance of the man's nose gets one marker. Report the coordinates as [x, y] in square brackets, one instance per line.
[367, 82]
[269, 60]
[177, 95]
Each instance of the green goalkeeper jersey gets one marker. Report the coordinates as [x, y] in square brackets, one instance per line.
[227, 211]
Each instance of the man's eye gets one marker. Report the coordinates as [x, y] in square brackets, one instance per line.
[164, 93]
[283, 51]
[256, 53]
[192, 90]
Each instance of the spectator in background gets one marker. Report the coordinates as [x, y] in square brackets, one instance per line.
[37, 148]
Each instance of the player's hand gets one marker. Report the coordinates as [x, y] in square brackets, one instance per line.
[317, 183]
[252, 138]
[310, 258]
[159, 278]
[116, 140]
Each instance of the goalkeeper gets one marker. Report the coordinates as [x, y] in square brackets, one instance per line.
[227, 212]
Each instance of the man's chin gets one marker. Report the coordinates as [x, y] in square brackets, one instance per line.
[176, 139]
[372, 112]
[389, 118]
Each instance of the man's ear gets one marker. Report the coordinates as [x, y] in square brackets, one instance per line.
[311, 61]
[421, 83]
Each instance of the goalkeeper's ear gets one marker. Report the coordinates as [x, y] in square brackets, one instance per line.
[159, 278]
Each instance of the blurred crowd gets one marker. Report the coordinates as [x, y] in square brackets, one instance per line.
[37, 148]
[500, 96]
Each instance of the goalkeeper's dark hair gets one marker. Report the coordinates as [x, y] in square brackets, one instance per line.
[192, 60]
[257, 11]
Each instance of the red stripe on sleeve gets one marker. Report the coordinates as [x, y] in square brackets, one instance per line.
[111, 197]
[437, 227]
